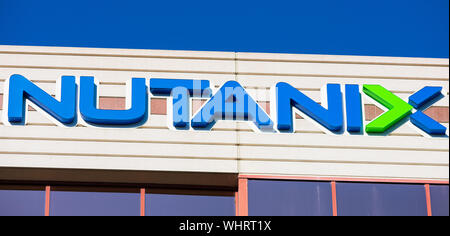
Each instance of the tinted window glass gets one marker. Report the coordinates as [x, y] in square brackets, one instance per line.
[367, 199]
[289, 198]
[94, 204]
[439, 200]
[22, 203]
[189, 205]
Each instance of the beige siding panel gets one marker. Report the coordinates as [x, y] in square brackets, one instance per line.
[332, 155]
[342, 70]
[377, 171]
[116, 63]
[342, 141]
[341, 59]
[224, 55]
[115, 52]
[117, 163]
[118, 135]
[117, 149]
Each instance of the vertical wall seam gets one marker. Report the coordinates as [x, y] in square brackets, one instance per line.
[238, 138]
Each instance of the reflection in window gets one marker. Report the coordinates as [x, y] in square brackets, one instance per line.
[289, 198]
[22, 203]
[188, 205]
[65, 203]
[368, 199]
[439, 200]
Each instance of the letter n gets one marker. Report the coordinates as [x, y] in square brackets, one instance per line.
[288, 97]
[21, 89]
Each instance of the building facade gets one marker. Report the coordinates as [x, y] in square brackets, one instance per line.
[150, 168]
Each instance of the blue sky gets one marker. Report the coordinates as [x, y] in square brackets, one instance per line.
[409, 28]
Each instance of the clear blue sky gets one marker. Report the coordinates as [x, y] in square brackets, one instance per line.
[411, 28]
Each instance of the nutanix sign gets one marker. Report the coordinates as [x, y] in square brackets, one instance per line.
[341, 107]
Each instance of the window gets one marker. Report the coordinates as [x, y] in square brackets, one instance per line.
[22, 201]
[265, 198]
[289, 198]
[179, 203]
[372, 199]
[439, 200]
[94, 202]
